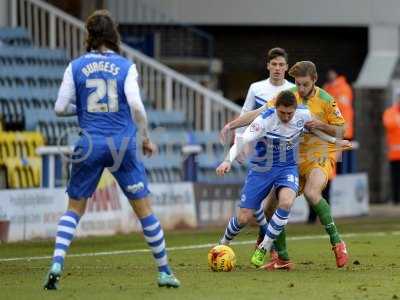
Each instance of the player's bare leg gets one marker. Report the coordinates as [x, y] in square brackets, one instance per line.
[315, 184]
[154, 236]
[65, 233]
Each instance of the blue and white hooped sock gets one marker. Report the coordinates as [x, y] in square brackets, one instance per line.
[261, 220]
[154, 237]
[275, 227]
[231, 230]
[65, 233]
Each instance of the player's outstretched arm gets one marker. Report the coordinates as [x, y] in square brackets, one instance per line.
[332, 130]
[138, 112]
[335, 121]
[241, 121]
[68, 111]
[330, 139]
[66, 95]
[252, 133]
[132, 93]
[148, 147]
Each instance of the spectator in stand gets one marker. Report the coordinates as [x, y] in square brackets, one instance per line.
[341, 91]
[391, 121]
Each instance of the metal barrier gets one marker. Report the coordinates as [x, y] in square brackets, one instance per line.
[165, 88]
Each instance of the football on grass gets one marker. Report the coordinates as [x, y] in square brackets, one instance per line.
[221, 258]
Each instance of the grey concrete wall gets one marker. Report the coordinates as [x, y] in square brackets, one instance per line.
[4, 21]
[266, 12]
[371, 156]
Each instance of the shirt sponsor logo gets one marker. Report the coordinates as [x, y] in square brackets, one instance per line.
[300, 123]
[255, 127]
[337, 112]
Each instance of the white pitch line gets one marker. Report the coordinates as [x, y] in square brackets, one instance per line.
[199, 246]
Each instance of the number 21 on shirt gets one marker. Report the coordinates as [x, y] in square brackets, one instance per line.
[102, 88]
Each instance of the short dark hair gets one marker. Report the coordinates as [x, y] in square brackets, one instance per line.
[333, 68]
[276, 52]
[304, 68]
[102, 30]
[286, 98]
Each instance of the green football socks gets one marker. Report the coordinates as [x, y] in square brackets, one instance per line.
[323, 211]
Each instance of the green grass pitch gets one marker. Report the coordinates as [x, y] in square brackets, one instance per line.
[373, 271]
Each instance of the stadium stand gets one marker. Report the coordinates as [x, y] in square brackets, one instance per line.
[29, 81]
[18, 157]
[15, 36]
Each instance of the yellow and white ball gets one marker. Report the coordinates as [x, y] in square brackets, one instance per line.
[221, 258]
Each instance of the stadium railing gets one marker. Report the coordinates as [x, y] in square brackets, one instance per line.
[184, 104]
[164, 87]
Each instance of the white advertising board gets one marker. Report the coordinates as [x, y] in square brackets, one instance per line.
[34, 213]
[349, 195]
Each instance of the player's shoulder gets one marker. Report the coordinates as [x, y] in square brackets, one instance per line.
[78, 63]
[324, 96]
[79, 59]
[303, 111]
[293, 89]
[258, 84]
[267, 113]
[93, 56]
[122, 58]
[301, 116]
[289, 85]
[302, 108]
[121, 61]
[83, 59]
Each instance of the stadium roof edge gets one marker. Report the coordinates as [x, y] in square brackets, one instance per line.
[377, 70]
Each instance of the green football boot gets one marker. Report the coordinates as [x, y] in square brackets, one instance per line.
[258, 257]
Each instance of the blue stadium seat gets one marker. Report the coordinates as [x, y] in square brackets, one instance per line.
[209, 141]
[169, 141]
[164, 168]
[207, 163]
[15, 36]
[29, 82]
[10, 55]
[173, 119]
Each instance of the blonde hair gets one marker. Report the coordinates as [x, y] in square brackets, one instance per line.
[304, 68]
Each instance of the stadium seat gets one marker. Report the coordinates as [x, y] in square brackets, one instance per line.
[29, 81]
[14, 175]
[32, 77]
[30, 141]
[207, 163]
[18, 156]
[5, 147]
[29, 56]
[164, 168]
[35, 169]
[169, 141]
[15, 36]
[173, 119]
[209, 141]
